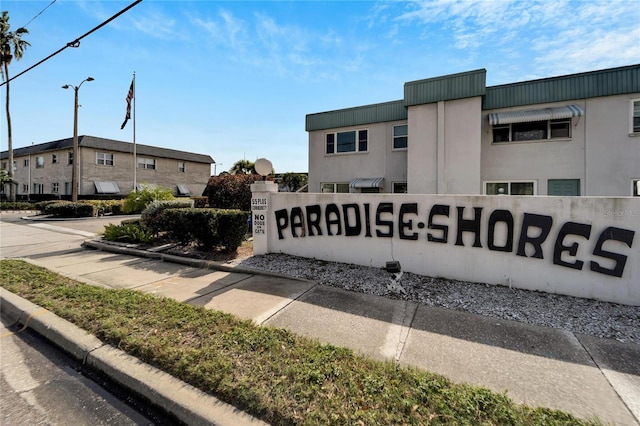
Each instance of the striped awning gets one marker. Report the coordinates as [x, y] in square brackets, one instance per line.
[366, 183]
[107, 188]
[530, 115]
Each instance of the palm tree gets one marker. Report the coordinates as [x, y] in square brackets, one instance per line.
[11, 46]
[242, 167]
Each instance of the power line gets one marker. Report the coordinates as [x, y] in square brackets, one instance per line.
[32, 19]
[74, 43]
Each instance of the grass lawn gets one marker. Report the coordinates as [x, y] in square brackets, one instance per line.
[271, 373]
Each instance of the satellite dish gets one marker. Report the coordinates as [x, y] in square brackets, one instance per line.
[263, 166]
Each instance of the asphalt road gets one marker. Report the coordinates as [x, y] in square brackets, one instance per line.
[39, 384]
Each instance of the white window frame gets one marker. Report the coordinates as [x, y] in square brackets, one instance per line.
[55, 187]
[69, 158]
[38, 188]
[509, 182]
[40, 162]
[635, 187]
[335, 142]
[54, 158]
[104, 159]
[146, 163]
[182, 167]
[335, 187]
[632, 131]
[393, 137]
[25, 163]
[25, 188]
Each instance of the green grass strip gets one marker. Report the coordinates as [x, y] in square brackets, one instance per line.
[271, 373]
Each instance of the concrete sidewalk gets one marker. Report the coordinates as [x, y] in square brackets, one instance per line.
[581, 374]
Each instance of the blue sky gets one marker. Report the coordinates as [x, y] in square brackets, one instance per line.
[235, 79]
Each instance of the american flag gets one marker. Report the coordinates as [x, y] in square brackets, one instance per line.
[129, 98]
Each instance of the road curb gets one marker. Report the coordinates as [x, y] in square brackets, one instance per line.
[187, 403]
[195, 263]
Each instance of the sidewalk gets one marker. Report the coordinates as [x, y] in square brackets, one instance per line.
[581, 374]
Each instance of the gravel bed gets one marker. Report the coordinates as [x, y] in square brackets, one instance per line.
[601, 319]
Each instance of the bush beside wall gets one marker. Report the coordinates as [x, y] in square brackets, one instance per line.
[68, 209]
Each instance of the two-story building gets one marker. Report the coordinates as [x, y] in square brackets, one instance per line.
[106, 166]
[571, 135]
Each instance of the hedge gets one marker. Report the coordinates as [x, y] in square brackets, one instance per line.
[68, 209]
[206, 227]
[152, 214]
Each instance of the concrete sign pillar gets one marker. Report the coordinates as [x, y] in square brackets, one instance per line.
[260, 200]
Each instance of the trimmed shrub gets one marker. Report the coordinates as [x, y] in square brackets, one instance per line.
[42, 205]
[200, 202]
[17, 205]
[187, 225]
[105, 206]
[137, 201]
[232, 228]
[230, 191]
[127, 233]
[152, 215]
[67, 209]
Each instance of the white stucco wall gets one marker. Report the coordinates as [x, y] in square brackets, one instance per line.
[612, 155]
[444, 147]
[535, 160]
[422, 155]
[379, 161]
[585, 262]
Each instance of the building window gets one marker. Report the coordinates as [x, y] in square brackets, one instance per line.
[104, 159]
[563, 187]
[54, 158]
[343, 142]
[4, 165]
[146, 163]
[635, 116]
[533, 131]
[334, 187]
[399, 187]
[38, 188]
[400, 136]
[25, 188]
[635, 188]
[67, 188]
[55, 187]
[26, 162]
[70, 158]
[39, 162]
[510, 188]
[181, 167]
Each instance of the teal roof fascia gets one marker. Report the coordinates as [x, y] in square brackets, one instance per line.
[449, 87]
[608, 82]
[367, 114]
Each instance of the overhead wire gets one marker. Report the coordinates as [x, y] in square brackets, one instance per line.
[40, 13]
[74, 43]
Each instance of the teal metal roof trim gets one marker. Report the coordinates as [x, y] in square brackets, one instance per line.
[449, 87]
[608, 82]
[376, 113]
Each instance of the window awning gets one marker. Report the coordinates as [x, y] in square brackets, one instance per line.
[183, 190]
[107, 188]
[367, 183]
[530, 115]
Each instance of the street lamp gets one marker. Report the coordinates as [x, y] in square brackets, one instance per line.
[75, 170]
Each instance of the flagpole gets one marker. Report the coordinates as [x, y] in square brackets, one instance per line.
[135, 158]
